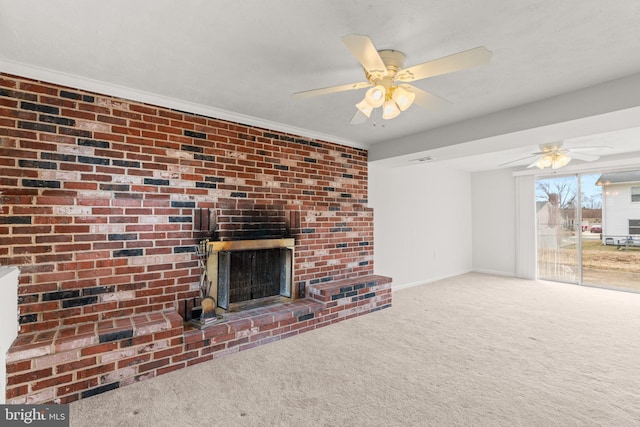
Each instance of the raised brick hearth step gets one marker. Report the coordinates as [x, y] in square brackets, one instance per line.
[83, 336]
[84, 360]
[80, 361]
[354, 290]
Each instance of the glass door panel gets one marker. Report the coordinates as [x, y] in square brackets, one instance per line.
[610, 237]
[557, 229]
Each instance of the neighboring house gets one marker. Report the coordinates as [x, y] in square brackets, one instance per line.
[591, 217]
[620, 205]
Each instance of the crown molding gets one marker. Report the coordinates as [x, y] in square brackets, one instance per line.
[110, 89]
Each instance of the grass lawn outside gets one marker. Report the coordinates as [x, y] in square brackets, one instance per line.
[605, 266]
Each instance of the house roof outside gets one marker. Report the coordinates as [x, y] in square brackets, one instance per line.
[618, 178]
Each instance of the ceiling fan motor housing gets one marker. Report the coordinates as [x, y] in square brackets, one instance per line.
[393, 61]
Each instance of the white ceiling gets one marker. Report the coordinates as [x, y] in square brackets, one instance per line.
[560, 69]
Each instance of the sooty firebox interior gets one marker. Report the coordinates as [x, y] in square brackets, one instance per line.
[253, 274]
[247, 273]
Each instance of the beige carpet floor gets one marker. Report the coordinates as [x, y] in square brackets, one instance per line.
[474, 350]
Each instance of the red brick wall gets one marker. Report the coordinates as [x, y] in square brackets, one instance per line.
[98, 197]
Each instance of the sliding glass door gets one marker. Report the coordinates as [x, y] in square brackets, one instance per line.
[611, 239]
[557, 222]
[588, 229]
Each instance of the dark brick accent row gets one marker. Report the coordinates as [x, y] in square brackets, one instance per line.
[27, 318]
[52, 296]
[37, 164]
[127, 252]
[39, 107]
[206, 185]
[77, 96]
[181, 204]
[57, 120]
[125, 163]
[180, 219]
[40, 183]
[204, 157]
[15, 220]
[192, 148]
[79, 302]
[153, 181]
[193, 134]
[93, 160]
[59, 157]
[123, 236]
[115, 336]
[93, 143]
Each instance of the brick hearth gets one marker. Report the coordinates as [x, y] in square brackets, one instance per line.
[77, 362]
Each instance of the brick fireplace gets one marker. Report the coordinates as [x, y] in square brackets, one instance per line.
[104, 202]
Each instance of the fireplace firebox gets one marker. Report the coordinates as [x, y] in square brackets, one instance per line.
[243, 274]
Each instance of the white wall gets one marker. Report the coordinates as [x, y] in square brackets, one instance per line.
[422, 218]
[8, 320]
[493, 223]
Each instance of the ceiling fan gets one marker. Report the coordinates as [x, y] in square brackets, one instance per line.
[555, 156]
[388, 79]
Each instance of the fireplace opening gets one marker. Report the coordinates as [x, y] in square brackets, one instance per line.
[243, 274]
[253, 274]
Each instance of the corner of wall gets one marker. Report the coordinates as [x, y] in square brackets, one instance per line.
[8, 319]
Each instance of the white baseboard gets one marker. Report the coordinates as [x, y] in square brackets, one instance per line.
[428, 280]
[494, 272]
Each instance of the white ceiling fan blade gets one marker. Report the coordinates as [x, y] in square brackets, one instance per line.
[425, 99]
[366, 53]
[448, 64]
[599, 148]
[358, 118]
[533, 164]
[583, 156]
[518, 160]
[328, 90]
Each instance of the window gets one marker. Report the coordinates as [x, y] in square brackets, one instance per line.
[635, 194]
[634, 226]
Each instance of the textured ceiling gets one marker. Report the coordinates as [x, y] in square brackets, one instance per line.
[241, 60]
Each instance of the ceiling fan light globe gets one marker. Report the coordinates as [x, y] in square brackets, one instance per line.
[544, 161]
[364, 107]
[403, 98]
[390, 110]
[559, 161]
[375, 96]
